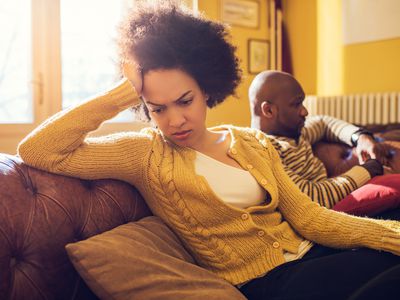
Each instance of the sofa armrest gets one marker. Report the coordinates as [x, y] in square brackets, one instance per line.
[40, 213]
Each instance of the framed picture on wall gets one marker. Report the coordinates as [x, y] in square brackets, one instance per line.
[258, 55]
[240, 12]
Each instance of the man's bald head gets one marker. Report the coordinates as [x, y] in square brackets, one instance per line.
[276, 102]
[267, 86]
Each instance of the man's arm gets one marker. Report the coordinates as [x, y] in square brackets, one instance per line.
[309, 174]
[329, 191]
[334, 130]
[328, 128]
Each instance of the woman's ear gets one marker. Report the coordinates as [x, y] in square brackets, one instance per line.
[268, 109]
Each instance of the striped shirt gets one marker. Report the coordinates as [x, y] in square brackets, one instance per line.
[308, 172]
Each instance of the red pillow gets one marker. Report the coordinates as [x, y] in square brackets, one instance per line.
[379, 194]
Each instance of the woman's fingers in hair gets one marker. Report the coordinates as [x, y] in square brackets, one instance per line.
[133, 72]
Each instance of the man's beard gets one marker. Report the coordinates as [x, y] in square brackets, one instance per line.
[290, 132]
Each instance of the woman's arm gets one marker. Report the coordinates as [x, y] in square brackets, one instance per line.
[325, 191]
[60, 144]
[329, 191]
[329, 227]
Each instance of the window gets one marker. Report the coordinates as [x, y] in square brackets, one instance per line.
[15, 62]
[54, 54]
[86, 75]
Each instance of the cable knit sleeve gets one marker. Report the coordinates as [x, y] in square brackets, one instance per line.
[329, 191]
[328, 227]
[60, 145]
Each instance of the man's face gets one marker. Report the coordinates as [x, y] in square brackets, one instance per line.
[291, 113]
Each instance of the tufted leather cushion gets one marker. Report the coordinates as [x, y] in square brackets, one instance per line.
[336, 157]
[40, 213]
[394, 161]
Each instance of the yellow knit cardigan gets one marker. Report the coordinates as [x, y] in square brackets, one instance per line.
[237, 244]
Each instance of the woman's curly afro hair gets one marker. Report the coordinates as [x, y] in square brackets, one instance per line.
[166, 36]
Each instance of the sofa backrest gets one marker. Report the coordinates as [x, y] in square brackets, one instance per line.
[40, 213]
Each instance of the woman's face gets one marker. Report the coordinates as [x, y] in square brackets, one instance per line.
[176, 104]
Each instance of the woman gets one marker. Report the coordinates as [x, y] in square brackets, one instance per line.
[222, 190]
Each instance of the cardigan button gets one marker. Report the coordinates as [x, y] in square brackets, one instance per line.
[275, 245]
[261, 233]
[249, 166]
[263, 181]
[245, 217]
[234, 151]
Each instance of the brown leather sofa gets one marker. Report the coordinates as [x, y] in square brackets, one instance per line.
[41, 212]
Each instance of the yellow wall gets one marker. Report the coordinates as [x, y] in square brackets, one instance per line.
[300, 21]
[324, 65]
[372, 67]
[236, 110]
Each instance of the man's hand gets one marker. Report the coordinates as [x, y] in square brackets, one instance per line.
[367, 148]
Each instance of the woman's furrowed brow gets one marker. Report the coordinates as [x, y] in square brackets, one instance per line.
[180, 98]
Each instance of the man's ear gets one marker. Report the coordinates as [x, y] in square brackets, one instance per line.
[268, 109]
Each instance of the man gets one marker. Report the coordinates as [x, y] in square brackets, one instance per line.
[276, 102]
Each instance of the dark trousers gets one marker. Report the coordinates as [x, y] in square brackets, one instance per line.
[327, 273]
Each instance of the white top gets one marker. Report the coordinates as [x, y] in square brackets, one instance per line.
[242, 191]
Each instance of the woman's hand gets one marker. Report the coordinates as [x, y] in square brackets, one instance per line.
[133, 72]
